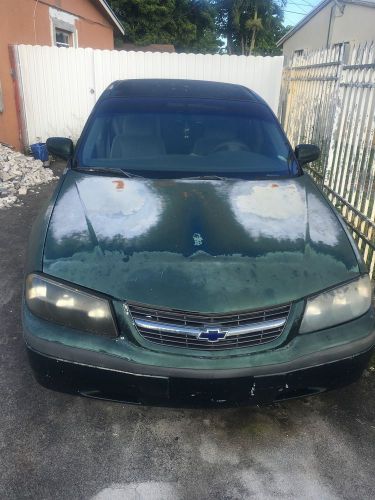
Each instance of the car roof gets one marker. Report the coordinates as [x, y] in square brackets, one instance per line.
[199, 89]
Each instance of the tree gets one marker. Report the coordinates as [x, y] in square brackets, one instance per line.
[187, 24]
[251, 26]
[248, 26]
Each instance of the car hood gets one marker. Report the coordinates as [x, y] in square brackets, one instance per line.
[200, 245]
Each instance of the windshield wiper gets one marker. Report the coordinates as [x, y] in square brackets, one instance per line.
[117, 172]
[206, 178]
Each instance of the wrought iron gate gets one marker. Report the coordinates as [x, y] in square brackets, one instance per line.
[328, 98]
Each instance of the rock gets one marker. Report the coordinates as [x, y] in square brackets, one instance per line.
[8, 201]
[4, 176]
[17, 174]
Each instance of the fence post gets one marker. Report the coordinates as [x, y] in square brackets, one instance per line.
[343, 58]
[18, 95]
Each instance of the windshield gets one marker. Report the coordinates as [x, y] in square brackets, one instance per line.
[185, 136]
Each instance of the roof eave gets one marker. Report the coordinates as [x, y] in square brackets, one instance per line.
[112, 16]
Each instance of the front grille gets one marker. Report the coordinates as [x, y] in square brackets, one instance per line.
[185, 329]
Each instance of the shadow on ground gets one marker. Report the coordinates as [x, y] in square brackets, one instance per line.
[59, 446]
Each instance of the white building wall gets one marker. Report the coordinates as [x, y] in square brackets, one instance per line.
[356, 24]
[311, 36]
[334, 24]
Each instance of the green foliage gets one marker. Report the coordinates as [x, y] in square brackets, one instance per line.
[244, 26]
[187, 24]
[251, 26]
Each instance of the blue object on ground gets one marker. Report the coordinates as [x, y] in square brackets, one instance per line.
[39, 151]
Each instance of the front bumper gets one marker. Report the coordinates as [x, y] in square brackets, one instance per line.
[117, 369]
[102, 383]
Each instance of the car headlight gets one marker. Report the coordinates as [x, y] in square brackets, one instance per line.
[67, 306]
[337, 306]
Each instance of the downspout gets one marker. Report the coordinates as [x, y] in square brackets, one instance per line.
[331, 18]
[18, 97]
[336, 4]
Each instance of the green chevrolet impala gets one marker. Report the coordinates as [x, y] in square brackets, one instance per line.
[185, 258]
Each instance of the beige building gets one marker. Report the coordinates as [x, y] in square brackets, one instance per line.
[332, 22]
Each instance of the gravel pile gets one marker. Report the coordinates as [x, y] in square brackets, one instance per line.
[19, 173]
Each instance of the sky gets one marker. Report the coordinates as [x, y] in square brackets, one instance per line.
[295, 10]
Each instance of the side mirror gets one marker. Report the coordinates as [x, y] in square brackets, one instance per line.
[306, 153]
[61, 147]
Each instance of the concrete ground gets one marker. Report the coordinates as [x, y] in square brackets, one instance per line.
[65, 447]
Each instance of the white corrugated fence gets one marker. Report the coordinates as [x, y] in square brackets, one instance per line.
[59, 86]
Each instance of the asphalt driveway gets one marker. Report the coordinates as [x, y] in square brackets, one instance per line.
[65, 447]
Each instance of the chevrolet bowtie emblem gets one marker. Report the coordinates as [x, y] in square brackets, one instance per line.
[212, 334]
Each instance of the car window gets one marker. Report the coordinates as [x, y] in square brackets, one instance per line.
[199, 136]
